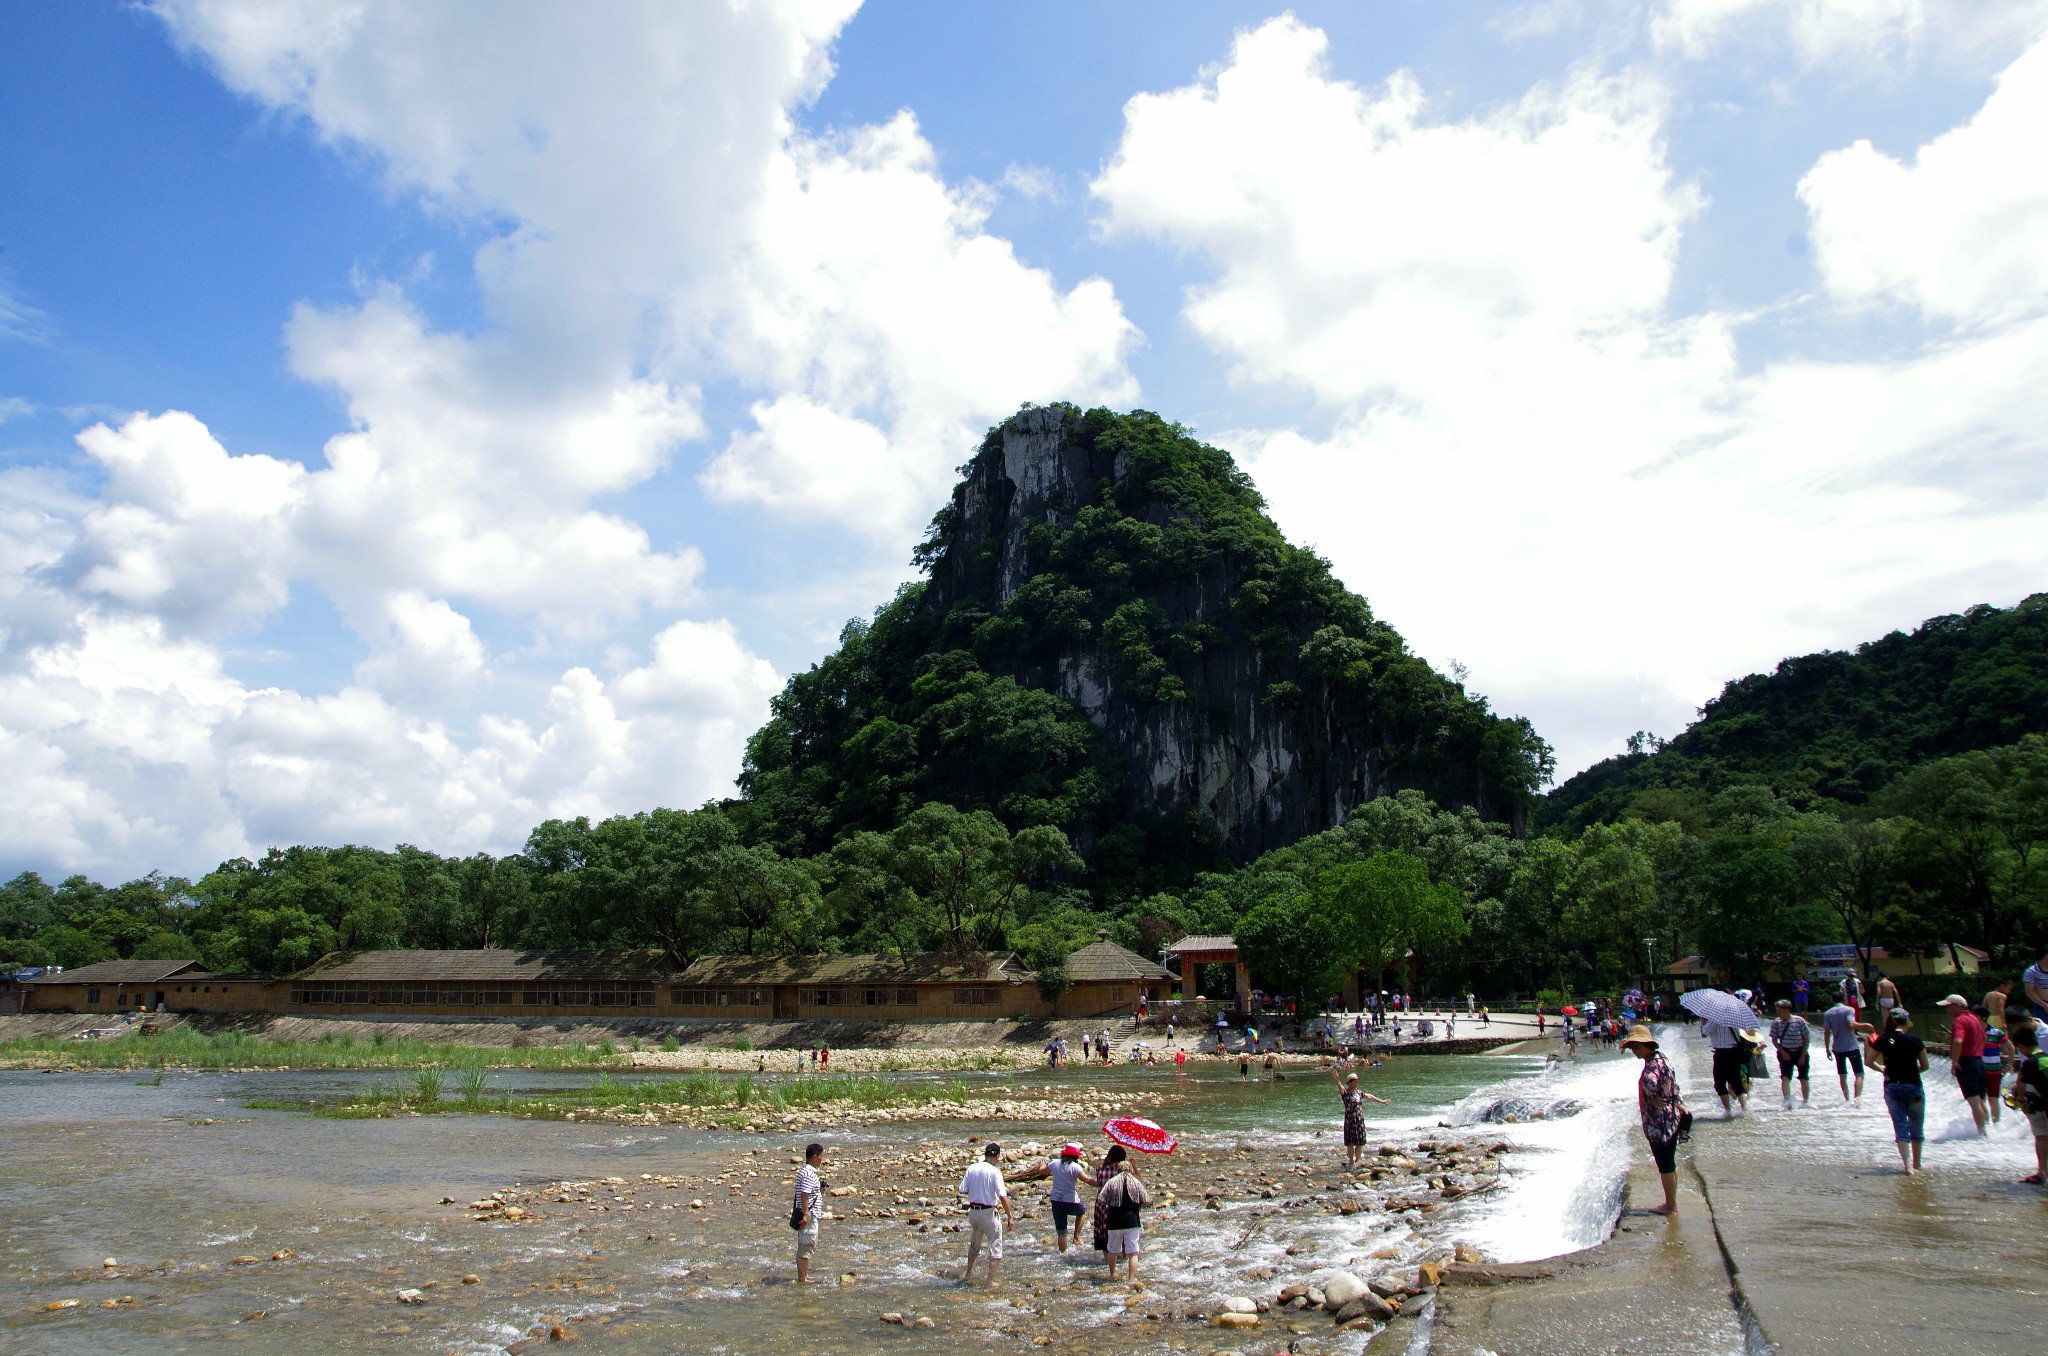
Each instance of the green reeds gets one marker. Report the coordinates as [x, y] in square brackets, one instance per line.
[186, 1048]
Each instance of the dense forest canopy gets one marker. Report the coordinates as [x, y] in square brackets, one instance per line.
[1952, 852]
[1835, 728]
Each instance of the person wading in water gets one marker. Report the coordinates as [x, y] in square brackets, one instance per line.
[1354, 1114]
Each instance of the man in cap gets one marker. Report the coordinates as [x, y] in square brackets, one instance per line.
[1966, 1057]
[1665, 1119]
[986, 1193]
[1066, 1193]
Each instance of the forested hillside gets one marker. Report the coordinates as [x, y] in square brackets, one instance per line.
[1114, 640]
[1836, 727]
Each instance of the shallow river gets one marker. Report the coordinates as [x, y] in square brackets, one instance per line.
[100, 1165]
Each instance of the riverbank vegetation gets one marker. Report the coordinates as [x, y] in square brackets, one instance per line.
[187, 1049]
[427, 1093]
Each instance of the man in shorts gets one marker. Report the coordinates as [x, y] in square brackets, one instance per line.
[1792, 1038]
[1124, 1196]
[1731, 1067]
[1840, 1023]
[1966, 1057]
[1066, 1193]
[986, 1193]
[2030, 1078]
[807, 1209]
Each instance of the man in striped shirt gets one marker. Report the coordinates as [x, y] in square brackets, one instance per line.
[1790, 1036]
[809, 1206]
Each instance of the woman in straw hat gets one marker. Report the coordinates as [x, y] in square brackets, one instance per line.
[1355, 1099]
[1665, 1119]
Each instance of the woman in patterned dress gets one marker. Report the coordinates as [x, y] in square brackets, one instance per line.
[1665, 1119]
[1354, 1114]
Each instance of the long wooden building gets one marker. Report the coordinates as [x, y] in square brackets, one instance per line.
[1105, 980]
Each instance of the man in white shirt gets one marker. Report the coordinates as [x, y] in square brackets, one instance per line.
[808, 1207]
[986, 1193]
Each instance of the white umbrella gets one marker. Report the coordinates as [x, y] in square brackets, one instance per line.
[1722, 1008]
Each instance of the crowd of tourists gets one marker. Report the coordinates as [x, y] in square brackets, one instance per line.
[1995, 1056]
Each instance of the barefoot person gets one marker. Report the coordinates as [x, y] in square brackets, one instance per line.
[1731, 1065]
[1066, 1194]
[1840, 1023]
[1111, 1164]
[2030, 1085]
[986, 1193]
[1966, 1057]
[1122, 1196]
[1354, 1114]
[807, 1208]
[1905, 1097]
[1791, 1037]
[1665, 1119]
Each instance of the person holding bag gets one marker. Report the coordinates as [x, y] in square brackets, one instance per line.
[1666, 1122]
[1791, 1037]
[806, 1208]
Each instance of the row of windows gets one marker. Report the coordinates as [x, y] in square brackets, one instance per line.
[906, 996]
[473, 995]
[719, 998]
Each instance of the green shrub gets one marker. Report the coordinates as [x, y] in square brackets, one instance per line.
[670, 1044]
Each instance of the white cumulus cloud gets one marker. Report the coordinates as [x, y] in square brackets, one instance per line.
[1533, 464]
[1962, 231]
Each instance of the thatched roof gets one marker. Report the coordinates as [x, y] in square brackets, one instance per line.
[437, 966]
[915, 967]
[1203, 943]
[1105, 960]
[119, 972]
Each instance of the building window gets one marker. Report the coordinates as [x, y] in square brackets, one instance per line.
[978, 997]
[874, 998]
[1116, 995]
[906, 998]
[92, 995]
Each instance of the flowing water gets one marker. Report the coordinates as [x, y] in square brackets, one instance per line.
[99, 1165]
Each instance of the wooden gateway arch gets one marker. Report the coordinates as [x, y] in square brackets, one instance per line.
[1198, 950]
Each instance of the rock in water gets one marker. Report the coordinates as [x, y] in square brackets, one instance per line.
[1342, 1288]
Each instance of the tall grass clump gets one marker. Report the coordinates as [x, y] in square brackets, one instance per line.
[471, 1082]
[426, 1086]
[670, 1044]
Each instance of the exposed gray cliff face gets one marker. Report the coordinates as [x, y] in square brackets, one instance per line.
[1259, 773]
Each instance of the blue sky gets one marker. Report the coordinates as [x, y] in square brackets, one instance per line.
[421, 421]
